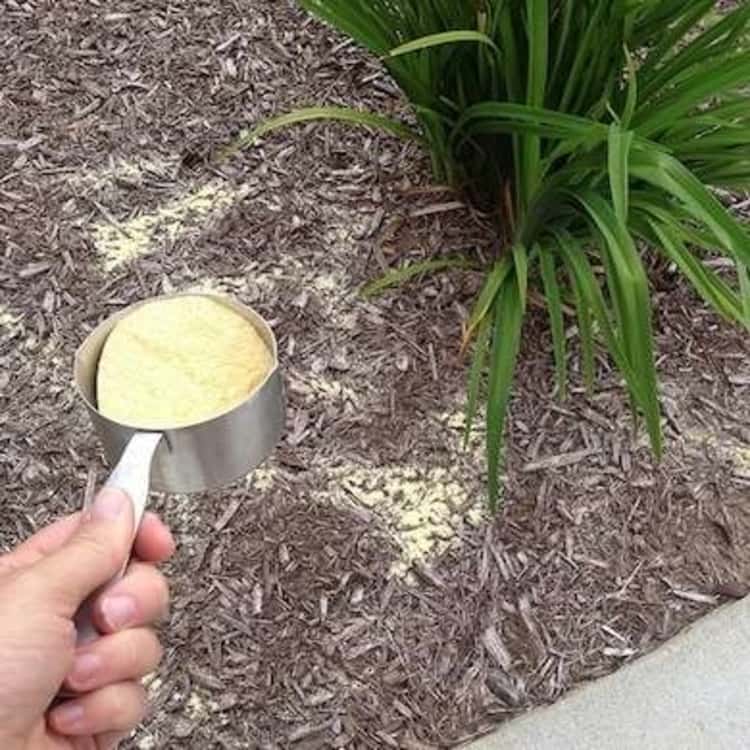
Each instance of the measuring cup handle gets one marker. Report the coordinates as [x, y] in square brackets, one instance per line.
[132, 475]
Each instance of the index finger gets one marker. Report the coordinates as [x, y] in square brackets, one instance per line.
[154, 542]
[44, 542]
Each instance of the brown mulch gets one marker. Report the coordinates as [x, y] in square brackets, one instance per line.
[285, 628]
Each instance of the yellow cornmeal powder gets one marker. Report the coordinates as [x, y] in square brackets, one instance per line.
[179, 361]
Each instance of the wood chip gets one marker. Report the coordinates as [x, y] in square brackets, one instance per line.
[503, 687]
[496, 649]
[34, 269]
[437, 208]
[307, 730]
[558, 462]
[695, 596]
[228, 514]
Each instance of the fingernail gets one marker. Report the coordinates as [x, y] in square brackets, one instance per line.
[119, 611]
[69, 716]
[84, 670]
[109, 505]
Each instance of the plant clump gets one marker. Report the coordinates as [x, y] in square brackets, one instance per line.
[594, 131]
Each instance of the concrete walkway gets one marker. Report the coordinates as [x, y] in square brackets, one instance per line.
[693, 693]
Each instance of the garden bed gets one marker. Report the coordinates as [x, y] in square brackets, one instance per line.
[351, 593]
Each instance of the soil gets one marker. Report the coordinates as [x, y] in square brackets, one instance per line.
[352, 592]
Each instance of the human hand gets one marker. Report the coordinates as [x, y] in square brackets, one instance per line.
[43, 582]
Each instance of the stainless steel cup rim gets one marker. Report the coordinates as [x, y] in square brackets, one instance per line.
[261, 326]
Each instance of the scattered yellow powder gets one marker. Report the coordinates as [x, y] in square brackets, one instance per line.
[119, 242]
[179, 361]
[197, 707]
[424, 509]
[727, 446]
[314, 388]
[7, 319]
[130, 171]
[262, 479]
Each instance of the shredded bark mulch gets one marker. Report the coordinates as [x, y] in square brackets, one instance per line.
[287, 630]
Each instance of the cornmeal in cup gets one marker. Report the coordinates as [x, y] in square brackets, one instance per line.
[179, 361]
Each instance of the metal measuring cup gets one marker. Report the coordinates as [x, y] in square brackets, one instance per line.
[200, 457]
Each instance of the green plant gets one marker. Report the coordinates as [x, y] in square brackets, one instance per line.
[590, 129]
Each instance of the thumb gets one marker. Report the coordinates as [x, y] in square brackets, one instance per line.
[91, 557]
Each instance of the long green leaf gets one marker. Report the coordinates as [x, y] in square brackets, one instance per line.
[700, 49]
[592, 299]
[619, 175]
[708, 284]
[521, 269]
[443, 38]
[672, 36]
[398, 276]
[629, 288]
[530, 145]
[513, 87]
[631, 100]
[689, 94]
[579, 267]
[667, 173]
[585, 45]
[298, 116]
[744, 277]
[505, 347]
[486, 300]
[554, 124]
[557, 323]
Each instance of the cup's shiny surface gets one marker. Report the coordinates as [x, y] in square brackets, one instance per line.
[206, 455]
